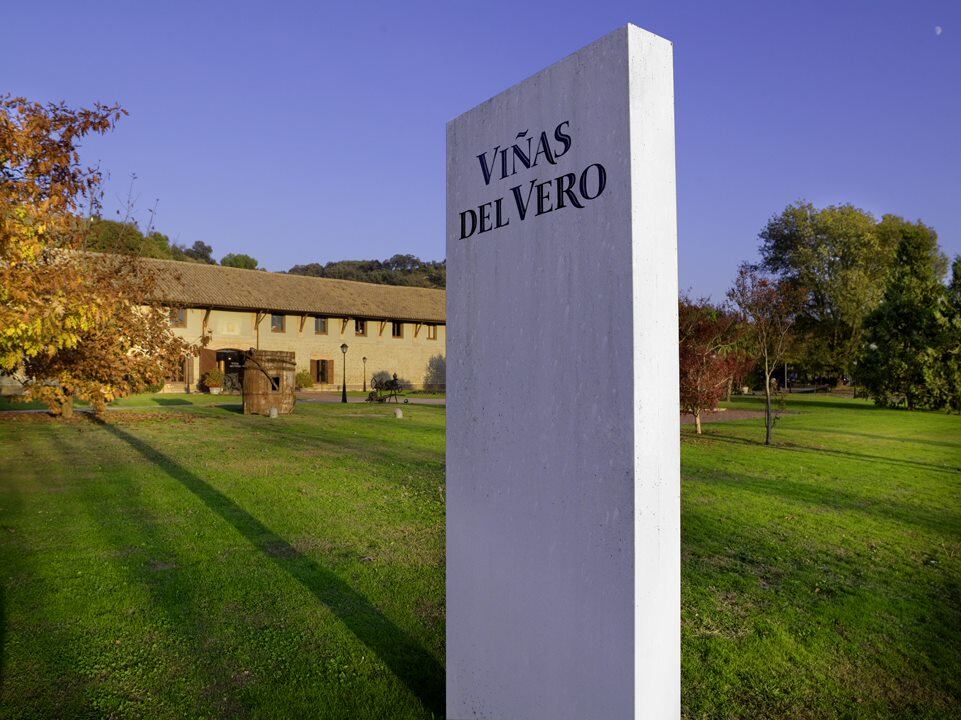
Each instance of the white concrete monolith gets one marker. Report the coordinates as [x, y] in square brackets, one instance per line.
[563, 493]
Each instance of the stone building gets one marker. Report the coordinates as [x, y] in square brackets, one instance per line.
[398, 329]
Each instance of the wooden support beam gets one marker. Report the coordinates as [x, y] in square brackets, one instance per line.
[303, 319]
[257, 320]
[343, 326]
[383, 324]
[417, 327]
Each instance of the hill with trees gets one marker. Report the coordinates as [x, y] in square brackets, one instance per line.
[397, 270]
[126, 238]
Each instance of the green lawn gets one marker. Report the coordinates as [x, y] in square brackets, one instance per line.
[201, 563]
[822, 578]
[190, 561]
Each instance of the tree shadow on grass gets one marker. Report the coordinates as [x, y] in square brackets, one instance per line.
[12, 504]
[943, 635]
[834, 497]
[799, 402]
[412, 664]
[883, 438]
[176, 591]
[831, 600]
[845, 454]
[289, 434]
[795, 403]
[42, 677]
[231, 407]
[171, 401]
[3, 635]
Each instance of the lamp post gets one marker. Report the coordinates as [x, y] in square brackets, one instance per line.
[343, 388]
[364, 360]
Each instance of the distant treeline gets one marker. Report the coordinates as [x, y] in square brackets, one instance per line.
[839, 297]
[126, 238]
[397, 270]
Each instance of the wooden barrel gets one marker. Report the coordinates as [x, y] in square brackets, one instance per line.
[269, 382]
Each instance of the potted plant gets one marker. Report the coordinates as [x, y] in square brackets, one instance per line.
[213, 380]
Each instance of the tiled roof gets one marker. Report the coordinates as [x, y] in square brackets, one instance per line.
[200, 285]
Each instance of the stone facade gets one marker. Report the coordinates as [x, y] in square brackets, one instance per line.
[406, 355]
[229, 311]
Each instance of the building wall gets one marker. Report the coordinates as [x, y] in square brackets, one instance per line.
[10, 386]
[407, 356]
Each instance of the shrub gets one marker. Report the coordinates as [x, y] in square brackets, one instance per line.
[304, 380]
[213, 378]
[436, 378]
[379, 378]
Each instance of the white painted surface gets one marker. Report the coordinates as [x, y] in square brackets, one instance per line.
[563, 509]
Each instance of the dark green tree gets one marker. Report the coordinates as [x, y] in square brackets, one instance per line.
[913, 338]
[949, 366]
[199, 252]
[955, 285]
[239, 260]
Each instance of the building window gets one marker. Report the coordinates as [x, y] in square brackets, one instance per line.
[322, 371]
[278, 323]
[397, 329]
[320, 326]
[178, 317]
[431, 332]
[360, 327]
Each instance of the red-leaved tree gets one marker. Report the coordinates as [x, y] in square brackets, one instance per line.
[708, 338]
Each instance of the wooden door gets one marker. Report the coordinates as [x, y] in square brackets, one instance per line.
[208, 361]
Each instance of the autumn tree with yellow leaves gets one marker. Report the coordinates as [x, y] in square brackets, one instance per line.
[73, 324]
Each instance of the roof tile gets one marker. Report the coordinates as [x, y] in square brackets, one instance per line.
[202, 285]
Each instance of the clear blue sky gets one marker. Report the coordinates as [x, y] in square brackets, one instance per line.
[301, 132]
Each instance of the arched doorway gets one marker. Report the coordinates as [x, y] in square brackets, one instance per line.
[230, 361]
